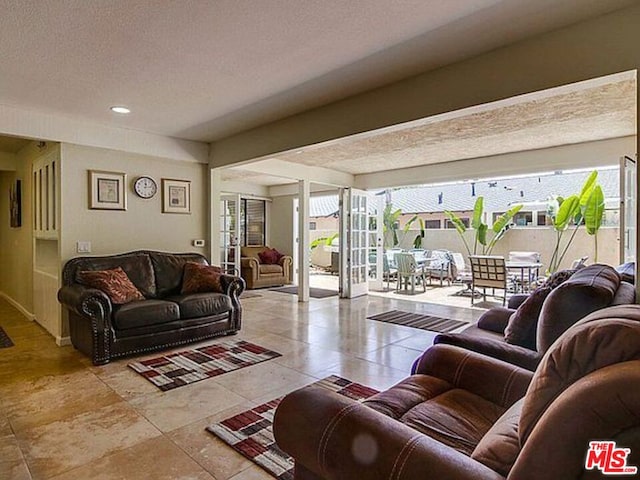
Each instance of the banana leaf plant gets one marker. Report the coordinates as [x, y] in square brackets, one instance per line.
[390, 225]
[586, 208]
[485, 238]
[326, 241]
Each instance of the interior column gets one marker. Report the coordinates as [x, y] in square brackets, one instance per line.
[215, 191]
[304, 191]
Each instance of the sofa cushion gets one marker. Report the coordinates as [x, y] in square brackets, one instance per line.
[270, 256]
[169, 270]
[145, 313]
[115, 283]
[521, 329]
[500, 447]
[201, 304]
[136, 265]
[201, 278]
[270, 269]
[457, 418]
[558, 278]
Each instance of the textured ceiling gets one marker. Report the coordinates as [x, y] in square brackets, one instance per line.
[587, 114]
[206, 69]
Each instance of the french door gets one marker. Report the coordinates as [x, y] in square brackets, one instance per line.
[230, 233]
[354, 239]
[628, 199]
[374, 224]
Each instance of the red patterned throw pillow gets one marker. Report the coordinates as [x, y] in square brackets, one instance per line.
[198, 278]
[270, 256]
[115, 283]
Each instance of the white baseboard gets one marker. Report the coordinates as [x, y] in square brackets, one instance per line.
[19, 307]
[63, 341]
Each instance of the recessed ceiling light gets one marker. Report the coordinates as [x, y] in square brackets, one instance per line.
[120, 109]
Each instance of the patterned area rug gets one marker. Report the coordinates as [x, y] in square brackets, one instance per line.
[190, 366]
[417, 320]
[251, 434]
[5, 341]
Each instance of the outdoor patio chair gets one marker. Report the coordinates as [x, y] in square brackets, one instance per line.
[388, 273]
[391, 256]
[462, 274]
[440, 267]
[488, 272]
[409, 271]
[523, 279]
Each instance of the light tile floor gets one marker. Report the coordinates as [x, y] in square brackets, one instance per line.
[62, 418]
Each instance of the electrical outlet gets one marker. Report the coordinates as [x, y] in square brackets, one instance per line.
[83, 247]
[198, 243]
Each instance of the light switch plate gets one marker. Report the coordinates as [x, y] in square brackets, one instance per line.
[83, 247]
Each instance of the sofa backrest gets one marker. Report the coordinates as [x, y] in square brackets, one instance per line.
[580, 392]
[137, 266]
[155, 274]
[583, 390]
[169, 268]
[589, 289]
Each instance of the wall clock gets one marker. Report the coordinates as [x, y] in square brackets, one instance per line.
[145, 187]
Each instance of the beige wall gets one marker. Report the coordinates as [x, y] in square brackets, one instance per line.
[281, 229]
[142, 225]
[16, 244]
[540, 240]
[598, 47]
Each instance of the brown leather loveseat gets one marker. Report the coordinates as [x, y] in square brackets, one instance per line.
[258, 273]
[466, 416]
[589, 289]
[162, 317]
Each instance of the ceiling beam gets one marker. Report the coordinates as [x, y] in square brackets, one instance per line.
[581, 155]
[296, 171]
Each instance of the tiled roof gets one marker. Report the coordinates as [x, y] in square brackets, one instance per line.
[498, 194]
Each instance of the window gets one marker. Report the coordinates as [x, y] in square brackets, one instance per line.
[542, 219]
[429, 224]
[449, 224]
[253, 222]
[313, 226]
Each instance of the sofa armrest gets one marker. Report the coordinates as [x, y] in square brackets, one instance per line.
[286, 262]
[495, 319]
[233, 286]
[87, 302]
[471, 370]
[335, 437]
[507, 352]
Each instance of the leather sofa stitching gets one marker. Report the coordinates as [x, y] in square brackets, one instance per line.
[409, 447]
[328, 431]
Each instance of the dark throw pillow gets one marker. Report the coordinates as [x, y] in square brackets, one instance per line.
[270, 256]
[115, 283]
[522, 326]
[558, 278]
[198, 278]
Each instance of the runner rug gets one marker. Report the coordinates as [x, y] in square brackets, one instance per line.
[251, 434]
[5, 341]
[418, 320]
[189, 366]
[313, 292]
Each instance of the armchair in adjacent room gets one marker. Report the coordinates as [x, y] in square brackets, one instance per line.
[264, 267]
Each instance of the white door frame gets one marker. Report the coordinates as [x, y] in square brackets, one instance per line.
[354, 243]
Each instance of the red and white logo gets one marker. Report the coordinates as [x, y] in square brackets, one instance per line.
[609, 459]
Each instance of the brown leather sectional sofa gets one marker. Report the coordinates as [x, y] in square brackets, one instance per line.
[165, 318]
[467, 416]
[589, 289]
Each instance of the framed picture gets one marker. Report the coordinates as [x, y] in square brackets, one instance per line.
[15, 204]
[176, 196]
[107, 190]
